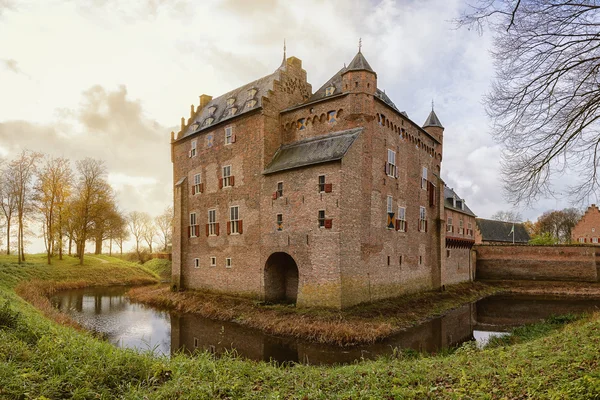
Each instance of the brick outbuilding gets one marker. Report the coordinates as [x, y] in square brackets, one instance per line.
[330, 198]
[587, 229]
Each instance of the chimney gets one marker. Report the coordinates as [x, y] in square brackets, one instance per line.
[204, 100]
[192, 111]
[182, 123]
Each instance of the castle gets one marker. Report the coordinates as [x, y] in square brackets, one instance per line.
[325, 199]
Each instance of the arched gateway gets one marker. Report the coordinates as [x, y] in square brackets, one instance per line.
[281, 278]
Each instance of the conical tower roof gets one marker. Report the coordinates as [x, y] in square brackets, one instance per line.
[432, 120]
[359, 63]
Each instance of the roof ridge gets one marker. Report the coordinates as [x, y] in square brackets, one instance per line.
[322, 137]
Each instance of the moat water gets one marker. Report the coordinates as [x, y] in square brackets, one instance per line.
[133, 325]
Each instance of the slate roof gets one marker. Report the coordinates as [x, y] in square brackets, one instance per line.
[359, 63]
[499, 231]
[448, 195]
[242, 98]
[432, 120]
[313, 151]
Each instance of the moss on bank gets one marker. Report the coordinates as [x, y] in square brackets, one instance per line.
[41, 358]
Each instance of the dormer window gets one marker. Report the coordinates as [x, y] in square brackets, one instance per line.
[195, 126]
[329, 91]
[251, 104]
[251, 93]
[208, 121]
[302, 124]
[211, 110]
[231, 111]
[230, 101]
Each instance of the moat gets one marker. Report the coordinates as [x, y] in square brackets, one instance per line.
[125, 324]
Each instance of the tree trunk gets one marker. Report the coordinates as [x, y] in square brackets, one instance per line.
[70, 244]
[8, 236]
[98, 242]
[110, 247]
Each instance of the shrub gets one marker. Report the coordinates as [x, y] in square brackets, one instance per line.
[8, 317]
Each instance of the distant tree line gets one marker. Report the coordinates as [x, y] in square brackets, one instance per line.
[72, 206]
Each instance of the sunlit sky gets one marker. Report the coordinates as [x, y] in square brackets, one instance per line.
[110, 79]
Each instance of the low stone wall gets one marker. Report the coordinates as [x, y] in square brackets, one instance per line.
[525, 262]
[163, 256]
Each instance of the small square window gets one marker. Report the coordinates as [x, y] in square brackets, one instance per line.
[228, 263]
[302, 124]
[213, 261]
[196, 263]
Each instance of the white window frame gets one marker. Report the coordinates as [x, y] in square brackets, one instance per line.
[228, 263]
[234, 219]
[279, 189]
[226, 178]
[212, 222]
[581, 240]
[422, 218]
[390, 204]
[401, 218]
[321, 184]
[469, 229]
[424, 178]
[228, 135]
[213, 261]
[193, 222]
[594, 240]
[197, 183]
[391, 163]
[449, 224]
[461, 227]
[193, 151]
[321, 218]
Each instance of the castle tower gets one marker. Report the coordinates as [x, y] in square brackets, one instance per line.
[359, 77]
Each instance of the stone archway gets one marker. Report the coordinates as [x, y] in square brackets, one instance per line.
[281, 278]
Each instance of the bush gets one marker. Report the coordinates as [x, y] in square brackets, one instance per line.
[8, 317]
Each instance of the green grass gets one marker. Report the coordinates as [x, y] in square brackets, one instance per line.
[39, 357]
[160, 267]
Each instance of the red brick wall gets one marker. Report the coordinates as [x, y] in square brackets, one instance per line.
[457, 266]
[588, 227]
[565, 263]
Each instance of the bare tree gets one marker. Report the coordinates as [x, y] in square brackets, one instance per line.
[92, 193]
[8, 201]
[117, 230]
[508, 216]
[149, 232]
[164, 222]
[544, 103]
[52, 188]
[22, 171]
[559, 223]
[137, 222]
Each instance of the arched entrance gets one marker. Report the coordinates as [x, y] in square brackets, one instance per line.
[281, 278]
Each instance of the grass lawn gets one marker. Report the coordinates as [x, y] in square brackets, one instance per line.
[39, 357]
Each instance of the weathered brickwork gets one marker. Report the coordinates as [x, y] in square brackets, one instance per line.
[564, 263]
[587, 229]
[460, 237]
[359, 251]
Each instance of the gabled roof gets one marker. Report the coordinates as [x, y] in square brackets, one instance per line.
[359, 63]
[432, 120]
[316, 150]
[500, 231]
[242, 103]
[449, 194]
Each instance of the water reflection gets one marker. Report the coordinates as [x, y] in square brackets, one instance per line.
[133, 325]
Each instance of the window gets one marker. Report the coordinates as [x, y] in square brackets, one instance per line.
[424, 179]
[391, 164]
[197, 188]
[593, 229]
[235, 224]
[321, 218]
[227, 178]
[461, 230]
[212, 223]
[251, 104]
[302, 124]
[389, 260]
[279, 189]
[469, 229]
[251, 93]
[193, 151]
[329, 91]
[422, 220]
[196, 263]
[581, 240]
[448, 253]
[449, 227]
[390, 204]
[332, 116]
[279, 222]
[231, 111]
[195, 126]
[213, 261]
[420, 260]
[193, 228]
[229, 138]
[230, 101]
[595, 240]
[208, 121]
[211, 110]
[228, 263]
[401, 219]
[321, 183]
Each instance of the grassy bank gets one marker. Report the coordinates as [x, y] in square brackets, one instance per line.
[360, 324]
[41, 358]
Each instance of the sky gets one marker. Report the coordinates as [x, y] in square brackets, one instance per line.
[111, 79]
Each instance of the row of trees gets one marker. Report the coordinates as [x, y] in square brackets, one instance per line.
[552, 227]
[72, 207]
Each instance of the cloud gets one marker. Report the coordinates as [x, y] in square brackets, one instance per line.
[12, 65]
